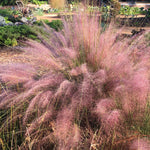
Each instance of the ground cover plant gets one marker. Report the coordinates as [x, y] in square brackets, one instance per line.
[7, 2]
[6, 12]
[10, 35]
[127, 10]
[87, 90]
[55, 24]
[134, 11]
[12, 15]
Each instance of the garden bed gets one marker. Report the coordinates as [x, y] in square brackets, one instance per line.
[133, 21]
[89, 90]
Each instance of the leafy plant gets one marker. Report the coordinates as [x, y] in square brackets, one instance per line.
[147, 12]
[38, 12]
[7, 2]
[9, 15]
[55, 24]
[127, 10]
[37, 2]
[9, 12]
[53, 10]
[10, 34]
[5, 12]
[105, 12]
[115, 7]
[6, 20]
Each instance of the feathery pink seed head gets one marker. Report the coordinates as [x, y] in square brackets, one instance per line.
[111, 120]
[140, 144]
[104, 106]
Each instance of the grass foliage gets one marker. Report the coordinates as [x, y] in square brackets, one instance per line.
[92, 91]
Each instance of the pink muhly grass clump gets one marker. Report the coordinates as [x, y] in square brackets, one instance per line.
[44, 100]
[65, 91]
[66, 132]
[42, 55]
[75, 71]
[134, 92]
[86, 72]
[86, 91]
[104, 106]
[16, 73]
[40, 101]
[111, 120]
[140, 144]
[46, 117]
[6, 98]
[140, 82]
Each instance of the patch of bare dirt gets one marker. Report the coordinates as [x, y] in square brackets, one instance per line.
[128, 30]
[8, 55]
[49, 17]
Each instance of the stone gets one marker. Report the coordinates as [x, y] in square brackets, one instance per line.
[10, 24]
[18, 23]
[24, 20]
[32, 20]
[2, 18]
[2, 21]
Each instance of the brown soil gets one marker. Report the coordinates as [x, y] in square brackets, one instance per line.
[48, 17]
[128, 30]
[9, 56]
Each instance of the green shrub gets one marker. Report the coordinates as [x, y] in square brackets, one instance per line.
[6, 20]
[38, 12]
[127, 10]
[11, 42]
[14, 42]
[116, 7]
[35, 2]
[55, 24]
[32, 37]
[8, 14]
[7, 2]
[39, 23]
[7, 41]
[5, 12]
[10, 34]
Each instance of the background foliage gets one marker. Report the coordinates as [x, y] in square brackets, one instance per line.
[7, 2]
[10, 34]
